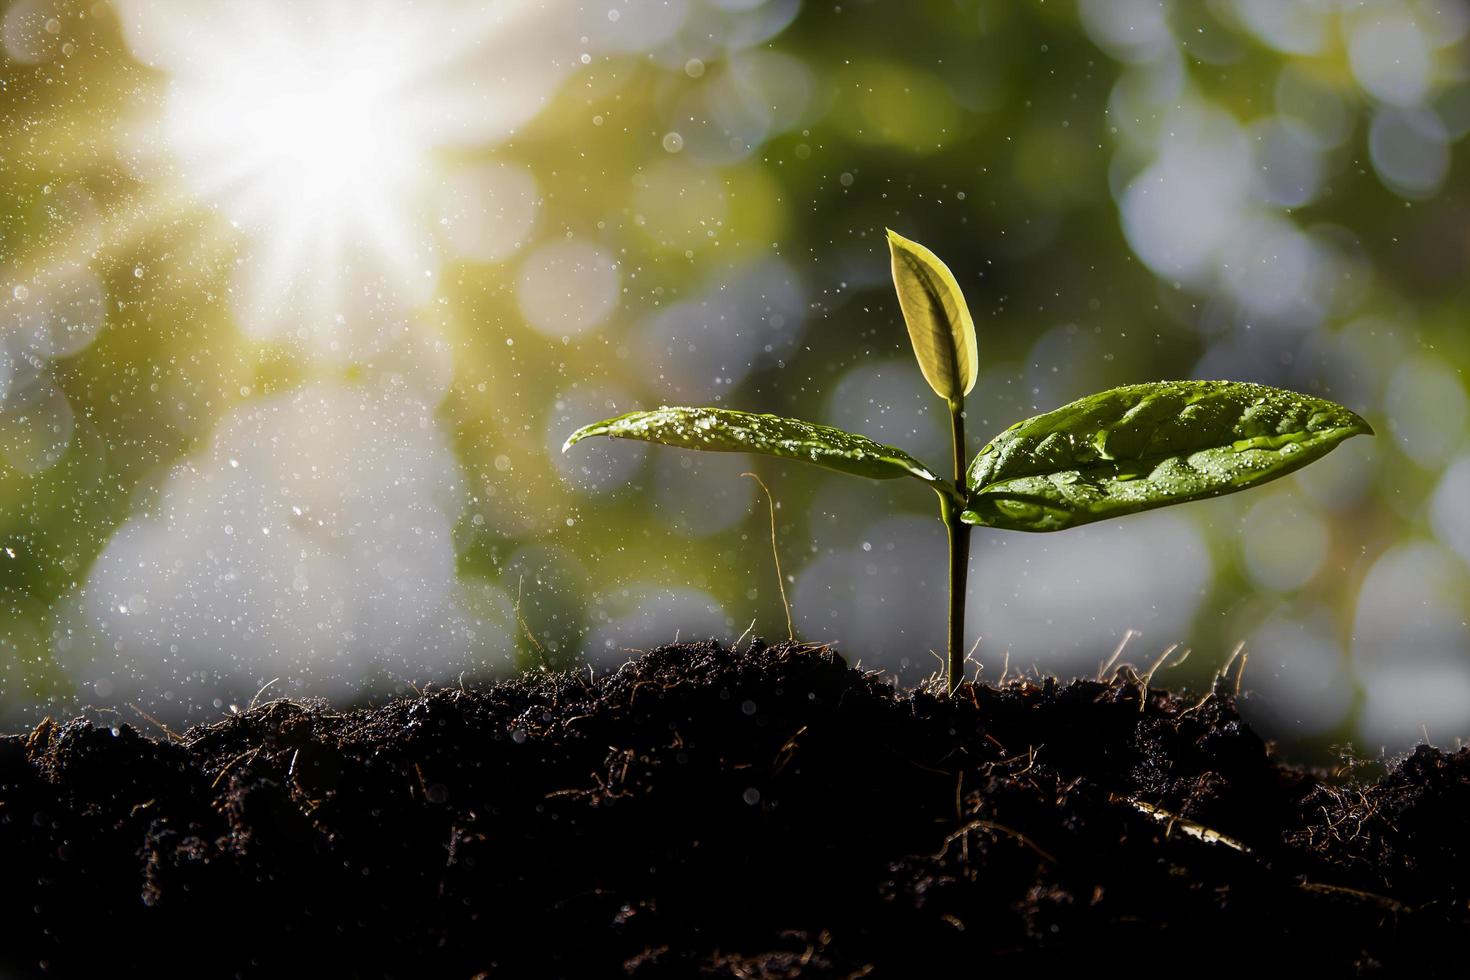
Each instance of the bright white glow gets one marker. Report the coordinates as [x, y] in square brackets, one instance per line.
[1283, 543]
[1451, 520]
[30, 31]
[568, 287]
[318, 129]
[650, 609]
[294, 136]
[1427, 409]
[1391, 59]
[311, 147]
[1409, 645]
[1410, 150]
[1292, 26]
[1130, 30]
[311, 540]
[1056, 600]
[1307, 685]
[489, 212]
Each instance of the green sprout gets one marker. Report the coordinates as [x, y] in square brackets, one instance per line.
[1118, 452]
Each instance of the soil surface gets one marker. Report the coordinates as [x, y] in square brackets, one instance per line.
[766, 813]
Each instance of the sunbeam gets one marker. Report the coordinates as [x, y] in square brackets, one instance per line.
[318, 129]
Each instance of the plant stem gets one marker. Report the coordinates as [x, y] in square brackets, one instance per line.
[959, 550]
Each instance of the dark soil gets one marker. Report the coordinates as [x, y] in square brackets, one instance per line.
[703, 812]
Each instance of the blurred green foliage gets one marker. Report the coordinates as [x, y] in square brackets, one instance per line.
[1021, 141]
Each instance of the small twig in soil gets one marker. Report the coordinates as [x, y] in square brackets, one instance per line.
[970, 658]
[156, 723]
[1357, 894]
[263, 689]
[540, 650]
[1102, 671]
[995, 828]
[1148, 675]
[1198, 704]
[787, 751]
[748, 630]
[231, 764]
[1239, 649]
[1215, 681]
[780, 579]
[1194, 829]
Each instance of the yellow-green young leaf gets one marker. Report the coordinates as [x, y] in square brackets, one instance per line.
[723, 430]
[1145, 446]
[939, 322]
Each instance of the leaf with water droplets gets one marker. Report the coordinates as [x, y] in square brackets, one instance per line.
[1144, 446]
[724, 430]
[939, 322]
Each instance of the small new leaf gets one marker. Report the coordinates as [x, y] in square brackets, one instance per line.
[1144, 446]
[940, 327]
[723, 430]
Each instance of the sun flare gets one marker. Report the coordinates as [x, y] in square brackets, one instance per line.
[286, 138]
[317, 129]
[312, 151]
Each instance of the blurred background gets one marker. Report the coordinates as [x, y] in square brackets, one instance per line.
[299, 298]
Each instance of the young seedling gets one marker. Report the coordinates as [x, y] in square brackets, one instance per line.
[1118, 452]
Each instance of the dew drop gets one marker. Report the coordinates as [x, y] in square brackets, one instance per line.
[673, 142]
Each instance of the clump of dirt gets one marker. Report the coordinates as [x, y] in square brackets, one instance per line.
[766, 813]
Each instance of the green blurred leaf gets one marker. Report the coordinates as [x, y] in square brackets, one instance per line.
[1144, 446]
[722, 430]
[940, 327]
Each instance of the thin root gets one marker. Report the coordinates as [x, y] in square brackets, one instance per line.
[780, 579]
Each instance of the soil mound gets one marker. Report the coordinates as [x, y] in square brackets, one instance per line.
[766, 813]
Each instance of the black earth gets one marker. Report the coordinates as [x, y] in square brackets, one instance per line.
[757, 813]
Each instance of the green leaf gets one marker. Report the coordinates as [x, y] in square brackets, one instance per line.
[722, 430]
[1144, 446]
[939, 322]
